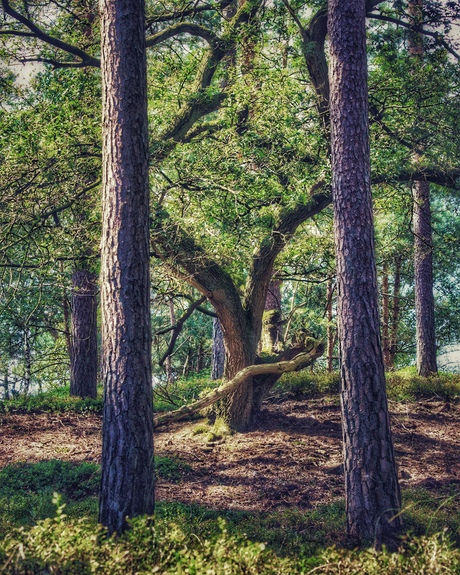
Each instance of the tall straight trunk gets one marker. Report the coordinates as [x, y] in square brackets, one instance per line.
[127, 484]
[83, 356]
[27, 361]
[168, 359]
[372, 490]
[423, 272]
[330, 328]
[423, 244]
[395, 311]
[386, 316]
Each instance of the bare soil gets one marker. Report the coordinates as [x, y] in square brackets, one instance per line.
[291, 459]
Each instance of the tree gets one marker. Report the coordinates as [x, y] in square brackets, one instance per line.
[127, 485]
[372, 491]
[423, 243]
[83, 350]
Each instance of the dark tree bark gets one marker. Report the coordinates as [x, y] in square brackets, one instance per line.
[218, 351]
[386, 316]
[423, 244]
[372, 490]
[127, 485]
[83, 356]
[331, 330]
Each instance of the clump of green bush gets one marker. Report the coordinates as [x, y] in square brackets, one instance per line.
[81, 548]
[306, 384]
[50, 402]
[406, 385]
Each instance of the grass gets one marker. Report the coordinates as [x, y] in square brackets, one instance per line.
[180, 542]
[26, 497]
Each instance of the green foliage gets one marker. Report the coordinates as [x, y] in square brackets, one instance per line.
[79, 547]
[63, 546]
[424, 556]
[171, 468]
[26, 491]
[428, 512]
[306, 384]
[52, 401]
[406, 385]
[170, 396]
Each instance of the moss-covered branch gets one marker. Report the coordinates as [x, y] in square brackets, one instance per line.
[300, 361]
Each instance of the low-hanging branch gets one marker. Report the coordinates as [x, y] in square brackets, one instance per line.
[299, 362]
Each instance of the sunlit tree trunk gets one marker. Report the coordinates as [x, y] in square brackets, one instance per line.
[127, 484]
[372, 490]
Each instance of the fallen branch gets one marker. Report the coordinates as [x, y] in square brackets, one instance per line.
[299, 362]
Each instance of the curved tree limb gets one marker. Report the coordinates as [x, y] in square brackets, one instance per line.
[182, 28]
[170, 16]
[86, 59]
[264, 258]
[299, 362]
[417, 28]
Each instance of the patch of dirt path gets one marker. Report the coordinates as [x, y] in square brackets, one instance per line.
[292, 458]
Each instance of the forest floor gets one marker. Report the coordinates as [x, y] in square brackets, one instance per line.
[291, 459]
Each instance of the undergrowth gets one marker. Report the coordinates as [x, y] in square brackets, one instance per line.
[61, 545]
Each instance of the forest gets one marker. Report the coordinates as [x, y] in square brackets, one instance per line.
[229, 286]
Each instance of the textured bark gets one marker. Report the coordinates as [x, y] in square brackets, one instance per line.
[386, 316]
[423, 245]
[331, 330]
[127, 484]
[168, 362]
[371, 483]
[218, 351]
[423, 272]
[83, 356]
[395, 311]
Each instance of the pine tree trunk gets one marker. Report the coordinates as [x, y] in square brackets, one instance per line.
[168, 359]
[395, 311]
[330, 328]
[127, 484]
[423, 272]
[386, 316]
[83, 356]
[372, 490]
[423, 244]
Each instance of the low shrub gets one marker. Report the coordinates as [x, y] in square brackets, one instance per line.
[406, 385]
[51, 401]
[307, 384]
[62, 546]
